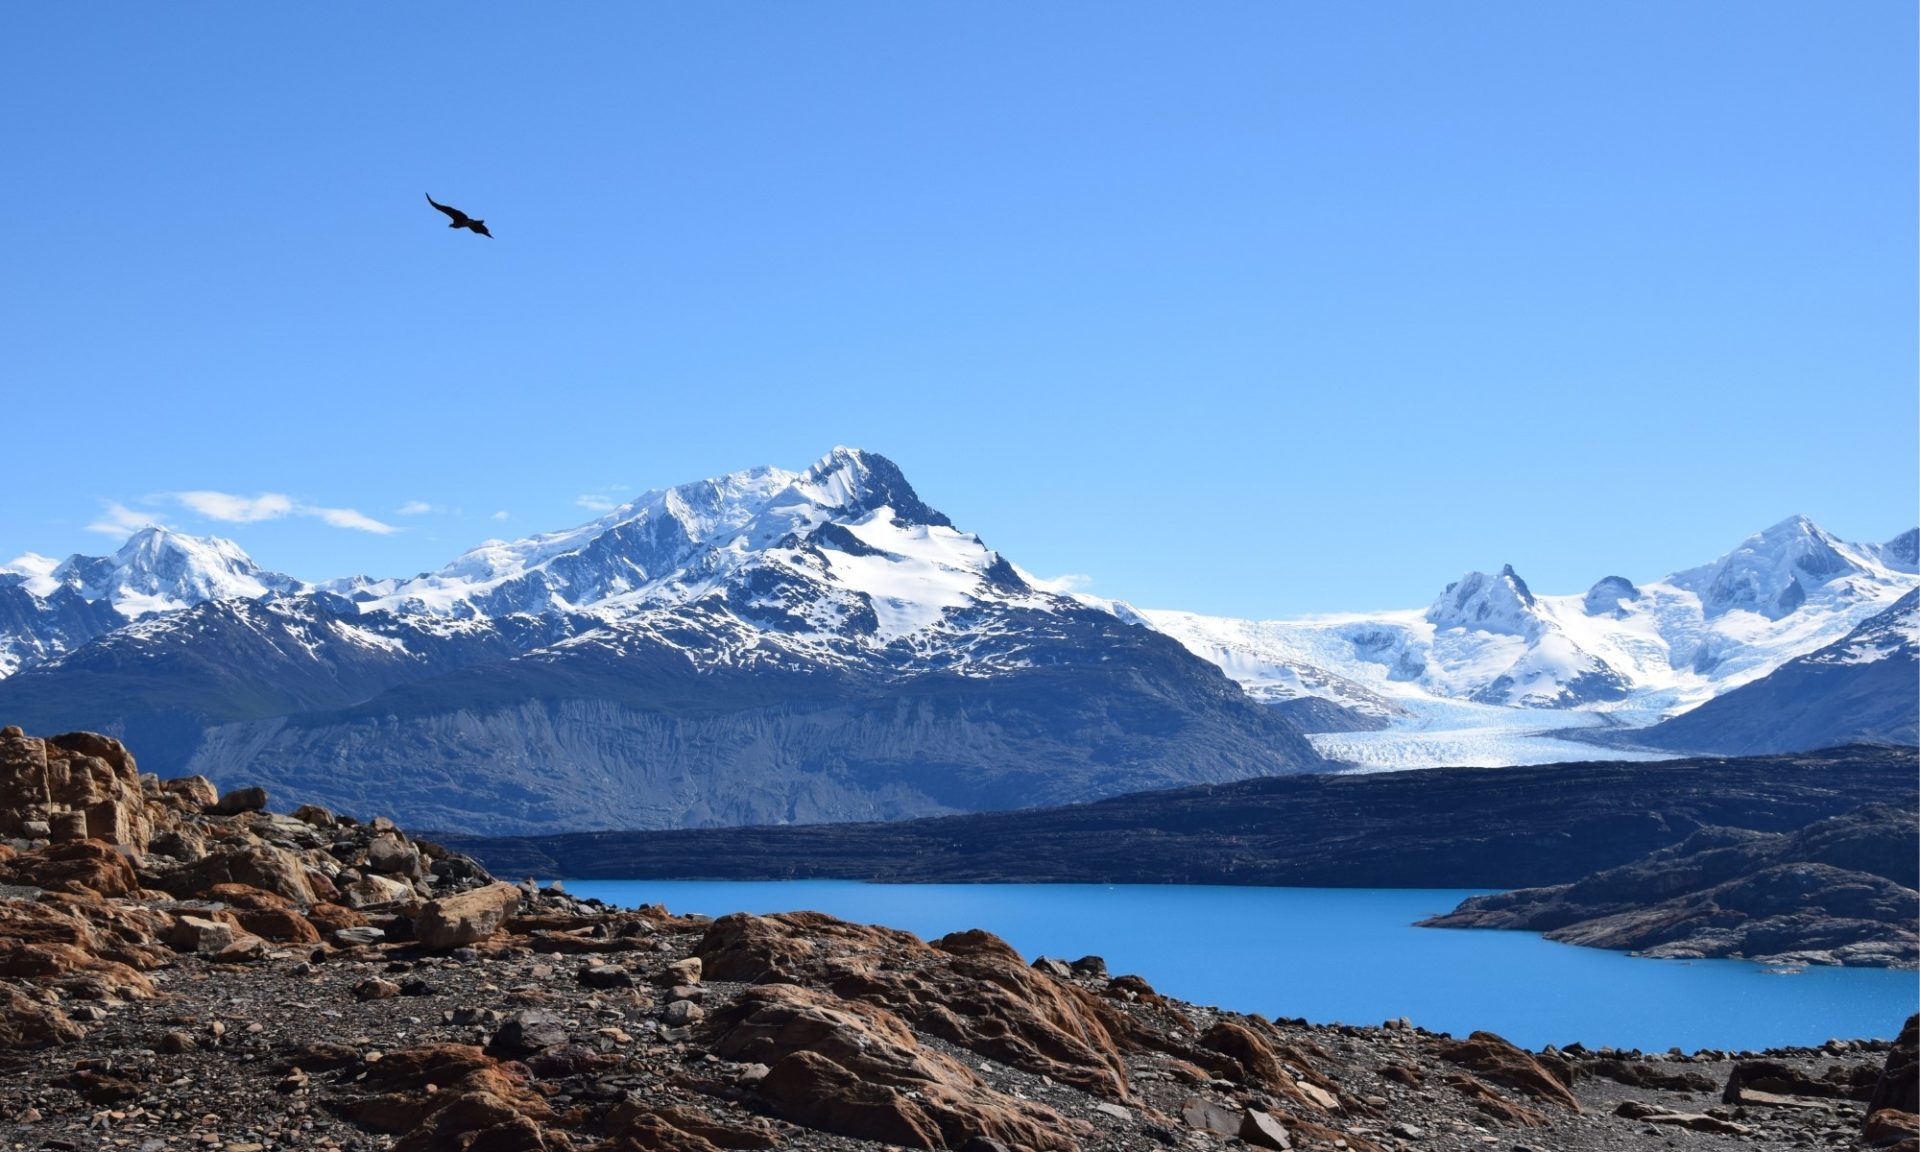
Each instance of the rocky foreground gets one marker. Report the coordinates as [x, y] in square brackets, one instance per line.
[185, 970]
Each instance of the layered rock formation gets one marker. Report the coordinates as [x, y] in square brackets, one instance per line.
[1839, 891]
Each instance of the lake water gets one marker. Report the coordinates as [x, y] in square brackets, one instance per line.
[1352, 956]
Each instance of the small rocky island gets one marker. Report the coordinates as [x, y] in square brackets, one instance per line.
[182, 969]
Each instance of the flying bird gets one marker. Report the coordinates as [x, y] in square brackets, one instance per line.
[461, 219]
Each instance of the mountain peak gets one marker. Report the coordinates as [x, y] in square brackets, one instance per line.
[1772, 571]
[159, 570]
[860, 481]
[1491, 603]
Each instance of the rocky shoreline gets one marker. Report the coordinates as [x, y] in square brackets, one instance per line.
[180, 969]
[1838, 891]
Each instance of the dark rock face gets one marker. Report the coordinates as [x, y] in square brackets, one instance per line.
[1450, 827]
[1859, 689]
[1839, 891]
[629, 734]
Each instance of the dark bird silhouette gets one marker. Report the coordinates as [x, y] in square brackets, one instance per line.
[461, 219]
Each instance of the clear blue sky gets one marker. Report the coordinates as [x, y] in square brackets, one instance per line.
[1246, 308]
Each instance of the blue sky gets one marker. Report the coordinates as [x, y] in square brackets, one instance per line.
[1244, 308]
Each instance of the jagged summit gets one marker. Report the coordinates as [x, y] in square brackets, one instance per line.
[1499, 602]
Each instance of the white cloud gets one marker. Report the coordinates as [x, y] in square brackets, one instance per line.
[120, 520]
[347, 518]
[595, 503]
[500, 515]
[237, 509]
[413, 508]
[1062, 585]
[234, 509]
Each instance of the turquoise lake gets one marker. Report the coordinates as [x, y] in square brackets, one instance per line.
[1351, 956]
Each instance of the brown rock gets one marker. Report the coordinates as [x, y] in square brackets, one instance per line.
[197, 791]
[84, 868]
[641, 1127]
[1493, 1104]
[1249, 1059]
[81, 784]
[465, 918]
[281, 925]
[856, 1069]
[315, 815]
[1491, 1057]
[241, 800]
[1890, 1126]
[333, 917]
[1899, 1084]
[972, 991]
[27, 1023]
[200, 934]
[262, 866]
[247, 896]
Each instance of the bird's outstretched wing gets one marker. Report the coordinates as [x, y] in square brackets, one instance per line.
[454, 214]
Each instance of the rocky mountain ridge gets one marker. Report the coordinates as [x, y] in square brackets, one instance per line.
[180, 966]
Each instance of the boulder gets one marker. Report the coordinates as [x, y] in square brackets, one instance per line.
[82, 868]
[391, 856]
[78, 781]
[27, 1023]
[197, 792]
[1899, 1084]
[1264, 1130]
[199, 934]
[465, 918]
[241, 800]
[369, 891]
[1890, 1127]
[1491, 1057]
[261, 866]
[855, 1069]
[314, 815]
[971, 990]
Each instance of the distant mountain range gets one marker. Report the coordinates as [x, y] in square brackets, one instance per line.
[785, 647]
[1637, 652]
[765, 647]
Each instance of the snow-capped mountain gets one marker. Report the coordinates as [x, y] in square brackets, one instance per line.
[49, 607]
[841, 563]
[1864, 687]
[765, 646]
[1636, 652]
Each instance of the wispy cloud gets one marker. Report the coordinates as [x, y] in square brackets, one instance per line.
[234, 509]
[604, 499]
[414, 508]
[503, 514]
[348, 518]
[1061, 585]
[120, 520]
[237, 509]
